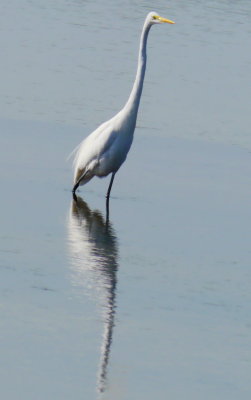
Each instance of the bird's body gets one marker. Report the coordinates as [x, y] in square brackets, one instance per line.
[106, 148]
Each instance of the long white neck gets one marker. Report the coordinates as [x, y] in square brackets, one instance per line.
[132, 104]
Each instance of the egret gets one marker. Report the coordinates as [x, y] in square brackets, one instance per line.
[105, 149]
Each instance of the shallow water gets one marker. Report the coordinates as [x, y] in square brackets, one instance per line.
[155, 302]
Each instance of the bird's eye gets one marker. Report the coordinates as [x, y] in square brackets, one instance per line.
[154, 17]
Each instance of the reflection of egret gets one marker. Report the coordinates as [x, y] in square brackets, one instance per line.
[94, 263]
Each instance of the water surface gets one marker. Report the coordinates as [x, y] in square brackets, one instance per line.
[156, 301]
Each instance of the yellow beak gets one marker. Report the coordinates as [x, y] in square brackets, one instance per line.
[165, 20]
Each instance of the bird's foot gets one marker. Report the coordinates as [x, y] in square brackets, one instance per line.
[74, 196]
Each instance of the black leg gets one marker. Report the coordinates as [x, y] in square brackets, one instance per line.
[110, 186]
[77, 185]
[107, 211]
[74, 190]
[108, 197]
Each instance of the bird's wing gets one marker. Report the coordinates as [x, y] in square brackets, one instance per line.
[96, 144]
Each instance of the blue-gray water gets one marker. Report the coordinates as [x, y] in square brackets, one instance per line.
[157, 302]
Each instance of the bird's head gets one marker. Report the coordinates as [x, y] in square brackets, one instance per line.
[154, 18]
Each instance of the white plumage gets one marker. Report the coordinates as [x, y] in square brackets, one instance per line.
[106, 148]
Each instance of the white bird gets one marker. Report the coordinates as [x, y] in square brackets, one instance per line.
[105, 149]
